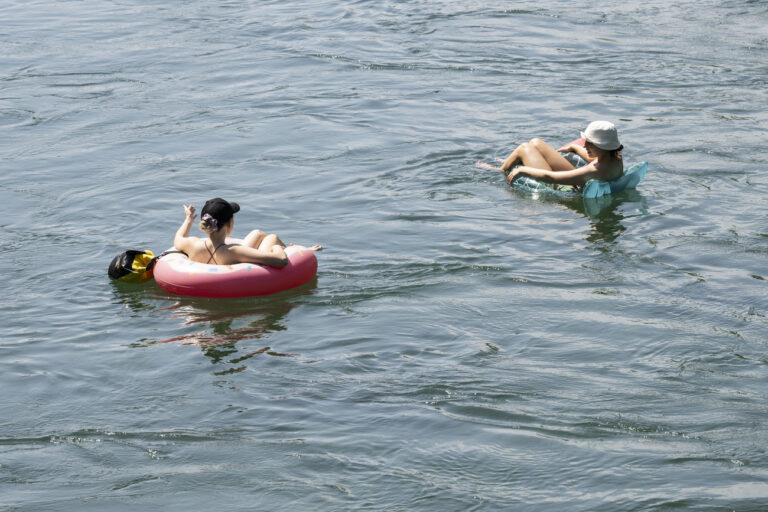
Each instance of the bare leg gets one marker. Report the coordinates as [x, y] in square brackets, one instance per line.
[556, 161]
[254, 238]
[538, 154]
[270, 241]
[515, 157]
[271, 244]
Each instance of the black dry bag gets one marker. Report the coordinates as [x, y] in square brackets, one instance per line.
[132, 266]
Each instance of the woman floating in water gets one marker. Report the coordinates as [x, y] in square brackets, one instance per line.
[218, 221]
[599, 158]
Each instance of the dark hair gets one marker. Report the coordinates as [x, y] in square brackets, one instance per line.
[210, 225]
[216, 213]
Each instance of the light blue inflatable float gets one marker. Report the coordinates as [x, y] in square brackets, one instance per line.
[592, 189]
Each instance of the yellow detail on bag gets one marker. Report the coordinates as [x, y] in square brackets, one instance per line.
[132, 266]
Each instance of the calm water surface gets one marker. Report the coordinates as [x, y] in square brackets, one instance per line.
[465, 346]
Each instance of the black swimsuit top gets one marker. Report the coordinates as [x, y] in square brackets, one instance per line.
[214, 252]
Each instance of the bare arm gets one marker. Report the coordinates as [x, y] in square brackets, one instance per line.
[182, 241]
[276, 257]
[578, 149]
[576, 177]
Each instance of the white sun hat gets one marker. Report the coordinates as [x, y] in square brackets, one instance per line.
[602, 134]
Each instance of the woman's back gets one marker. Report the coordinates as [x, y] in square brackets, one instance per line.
[204, 250]
[609, 168]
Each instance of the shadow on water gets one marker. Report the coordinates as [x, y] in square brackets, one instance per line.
[223, 322]
[606, 214]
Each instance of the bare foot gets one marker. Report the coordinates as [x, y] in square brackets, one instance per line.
[489, 167]
[316, 247]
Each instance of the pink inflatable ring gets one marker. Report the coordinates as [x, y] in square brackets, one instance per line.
[175, 273]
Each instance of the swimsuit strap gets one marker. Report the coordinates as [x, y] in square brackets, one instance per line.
[212, 257]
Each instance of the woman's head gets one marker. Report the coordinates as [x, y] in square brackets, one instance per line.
[603, 136]
[216, 214]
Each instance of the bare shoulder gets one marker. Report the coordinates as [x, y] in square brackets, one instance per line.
[241, 250]
[187, 243]
[610, 170]
[590, 169]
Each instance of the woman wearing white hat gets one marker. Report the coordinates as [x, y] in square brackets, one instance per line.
[599, 158]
